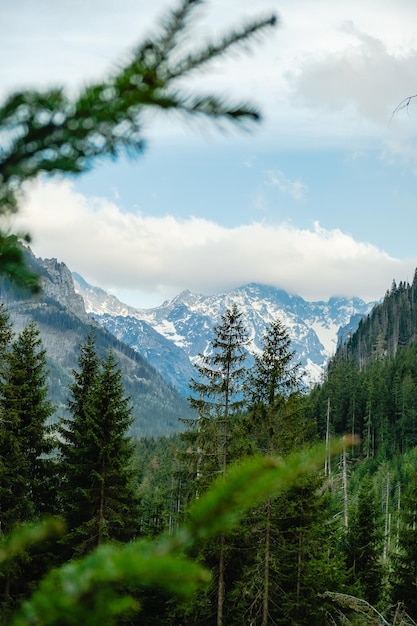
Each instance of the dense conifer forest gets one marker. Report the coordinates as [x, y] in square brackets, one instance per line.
[335, 547]
[244, 517]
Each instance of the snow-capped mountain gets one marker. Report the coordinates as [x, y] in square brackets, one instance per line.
[172, 335]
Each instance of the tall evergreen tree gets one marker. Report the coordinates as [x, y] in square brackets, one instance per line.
[10, 459]
[276, 372]
[275, 424]
[98, 493]
[217, 396]
[364, 544]
[27, 486]
[218, 399]
[25, 442]
[404, 576]
[6, 335]
[275, 419]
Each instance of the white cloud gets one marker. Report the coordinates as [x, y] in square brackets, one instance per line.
[365, 75]
[311, 60]
[165, 255]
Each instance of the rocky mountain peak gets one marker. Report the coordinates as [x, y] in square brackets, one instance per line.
[187, 322]
[58, 284]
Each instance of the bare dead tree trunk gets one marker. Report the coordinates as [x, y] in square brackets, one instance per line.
[327, 462]
[387, 533]
[101, 517]
[345, 489]
[221, 590]
[267, 557]
[299, 564]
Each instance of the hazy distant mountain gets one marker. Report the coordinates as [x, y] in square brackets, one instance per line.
[60, 315]
[187, 323]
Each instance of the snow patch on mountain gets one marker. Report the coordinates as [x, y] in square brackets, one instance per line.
[186, 322]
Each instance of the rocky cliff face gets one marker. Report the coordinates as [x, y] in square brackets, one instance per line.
[64, 324]
[58, 284]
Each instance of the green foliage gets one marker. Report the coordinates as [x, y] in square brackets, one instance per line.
[27, 535]
[217, 386]
[218, 400]
[371, 381]
[276, 373]
[378, 402]
[6, 336]
[27, 488]
[307, 560]
[404, 575]
[248, 571]
[97, 491]
[91, 591]
[24, 400]
[284, 584]
[48, 132]
[12, 260]
[160, 487]
[276, 417]
[217, 397]
[391, 325]
[94, 590]
[274, 424]
[364, 544]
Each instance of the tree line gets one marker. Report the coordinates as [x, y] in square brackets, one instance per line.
[334, 545]
[80, 468]
[83, 469]
[260, 533]
[370, 390]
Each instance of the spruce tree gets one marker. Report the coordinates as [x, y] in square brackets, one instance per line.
[302, 559]
[6, 335]
[364, 544]
[217, 396]
[27, 485]
[275, 420]
[306, 560]
[25, 471]
[275, 424]
[98, 493]
[404, 575]
[74, 446]
[11, 458]
[218, 399]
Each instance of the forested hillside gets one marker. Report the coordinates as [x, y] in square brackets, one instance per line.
[240, 519]
[370, 390]
[64, 325]
[336, 545]
[339, 548]
[371, 384]
[390, 325]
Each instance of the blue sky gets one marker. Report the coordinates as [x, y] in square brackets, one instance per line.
[320, 199]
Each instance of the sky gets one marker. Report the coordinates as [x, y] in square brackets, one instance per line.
[320, 199]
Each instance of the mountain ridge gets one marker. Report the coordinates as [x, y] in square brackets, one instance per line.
[59, 314]
[187, 321]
